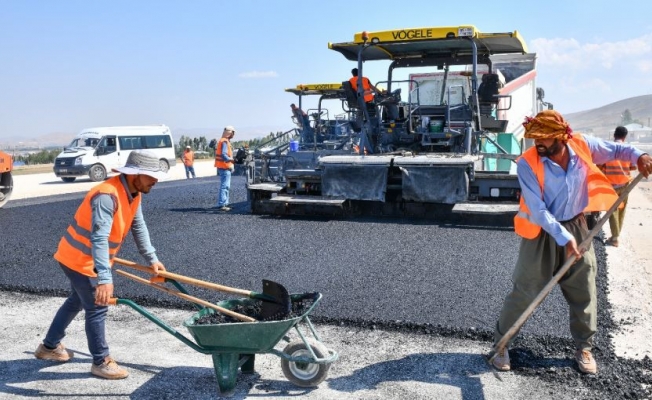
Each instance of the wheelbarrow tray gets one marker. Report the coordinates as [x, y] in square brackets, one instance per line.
[244, 337]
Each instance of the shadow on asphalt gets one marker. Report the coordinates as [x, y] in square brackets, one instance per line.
[29, 370]
[239, 208]
[460, 370]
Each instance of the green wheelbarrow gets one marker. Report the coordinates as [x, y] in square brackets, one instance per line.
[305, 361]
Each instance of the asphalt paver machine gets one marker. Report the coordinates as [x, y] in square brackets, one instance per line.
[290, 160]
[430, 143]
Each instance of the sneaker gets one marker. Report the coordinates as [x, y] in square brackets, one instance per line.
[586, 362]
[225, 208]
[501, 360]
[59, 353]
[612, 241]
[109, 369]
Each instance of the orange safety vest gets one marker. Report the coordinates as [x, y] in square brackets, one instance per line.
[188, 158]
[75, 246]
[601, 193]
[219, 161]
[617, 172]
[366, 87]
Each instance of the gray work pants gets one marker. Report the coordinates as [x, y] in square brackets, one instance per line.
[618, 217]
[538, 260]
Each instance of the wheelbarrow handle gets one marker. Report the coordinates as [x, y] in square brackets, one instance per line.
[185, 279]
[187, 297]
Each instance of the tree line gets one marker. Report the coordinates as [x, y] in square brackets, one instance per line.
[198, 144]
[201, 144]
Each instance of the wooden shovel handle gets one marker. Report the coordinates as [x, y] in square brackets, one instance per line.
[184, 279]
[184, 296]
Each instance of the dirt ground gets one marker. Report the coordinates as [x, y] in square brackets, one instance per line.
[630, 276]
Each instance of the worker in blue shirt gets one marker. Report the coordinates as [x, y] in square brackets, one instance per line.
[560, 182]
[225, 164]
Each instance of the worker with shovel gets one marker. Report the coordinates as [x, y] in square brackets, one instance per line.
[559, 183]
[86, 252]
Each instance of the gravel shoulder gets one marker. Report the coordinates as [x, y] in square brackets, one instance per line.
[373, 364]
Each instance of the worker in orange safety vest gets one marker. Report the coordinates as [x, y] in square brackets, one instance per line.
[368, 89]
[225, 165]
[559, 183]
[618, 173]
[188, 158]
[86, 252]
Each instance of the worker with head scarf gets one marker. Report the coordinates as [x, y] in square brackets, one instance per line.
[560, 182]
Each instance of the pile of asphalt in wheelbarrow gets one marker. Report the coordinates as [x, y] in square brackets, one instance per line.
[551, 358]
[253, 309]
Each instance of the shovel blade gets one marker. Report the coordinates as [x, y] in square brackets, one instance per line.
[277, 303]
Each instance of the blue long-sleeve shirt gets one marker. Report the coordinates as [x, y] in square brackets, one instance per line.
[225, 153]
[565, 194]
[102, 209]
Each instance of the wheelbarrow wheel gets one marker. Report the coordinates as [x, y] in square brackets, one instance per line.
[305, 374]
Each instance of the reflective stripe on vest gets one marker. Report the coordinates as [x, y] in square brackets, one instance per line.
[366, 88]
[75, 249]
[219, 162]
[617, 172]
[601, 193]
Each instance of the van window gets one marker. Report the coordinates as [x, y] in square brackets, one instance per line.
[158, 141]
[145, 142]
[130, 142]
[84, 142]
[107, 144]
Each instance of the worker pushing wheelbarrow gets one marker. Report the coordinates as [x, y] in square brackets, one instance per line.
[233, 338]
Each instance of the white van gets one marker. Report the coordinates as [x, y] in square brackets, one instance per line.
[95, 151]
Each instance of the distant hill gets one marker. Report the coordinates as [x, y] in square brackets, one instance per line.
[602, 121]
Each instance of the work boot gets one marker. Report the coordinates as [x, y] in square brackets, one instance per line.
[59, 353]
[501, 360]
[612, 241]
[586, 362]
[109, 369]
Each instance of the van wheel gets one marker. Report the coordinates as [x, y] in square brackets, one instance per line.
[97, 173]
[68, 179]
[163, 164]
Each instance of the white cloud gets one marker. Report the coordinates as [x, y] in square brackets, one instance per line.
[258, 74]
[644, 65]
[570, 53]
[580, 74]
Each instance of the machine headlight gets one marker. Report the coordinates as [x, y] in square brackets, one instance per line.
[78, 161]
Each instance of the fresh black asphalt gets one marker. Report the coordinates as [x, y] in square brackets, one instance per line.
[373, 269]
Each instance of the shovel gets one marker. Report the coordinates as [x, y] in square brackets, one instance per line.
[557, 277]
[276, 303]
[188, 297]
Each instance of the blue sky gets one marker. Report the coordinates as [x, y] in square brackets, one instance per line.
[68, 65]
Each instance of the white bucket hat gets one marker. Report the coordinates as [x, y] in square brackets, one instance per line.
[143, 162]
